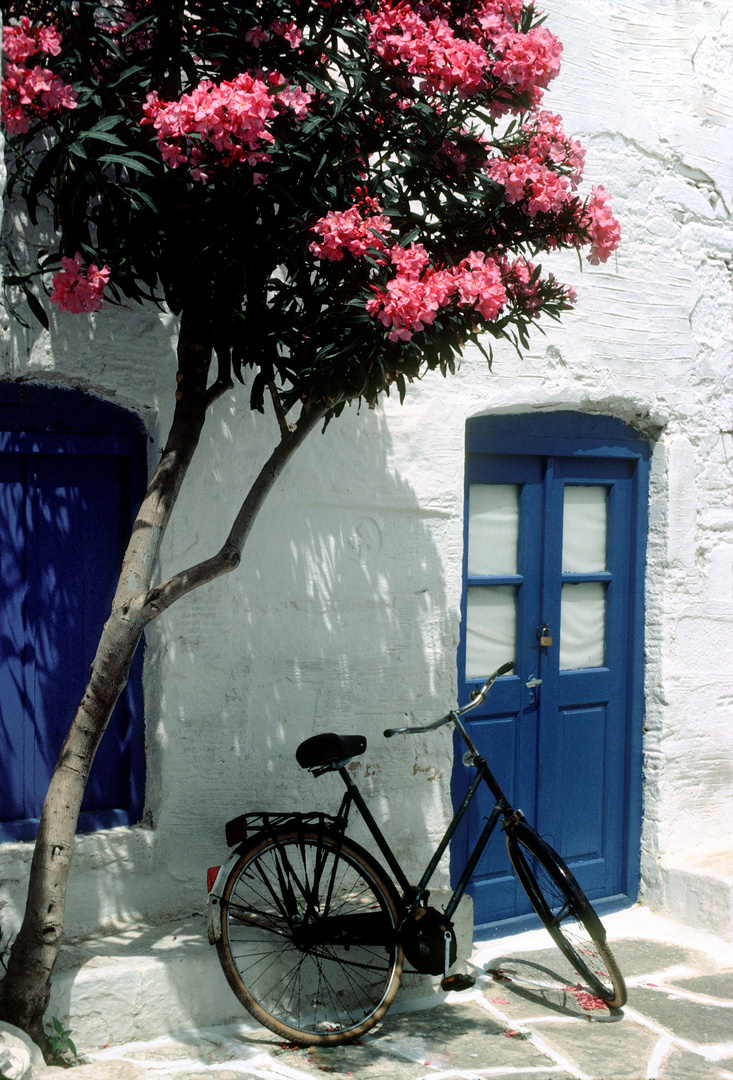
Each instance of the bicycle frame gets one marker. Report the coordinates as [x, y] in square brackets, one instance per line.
[413, 894]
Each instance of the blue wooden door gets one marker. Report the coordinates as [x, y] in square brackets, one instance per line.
[555, 525]
[65, 513]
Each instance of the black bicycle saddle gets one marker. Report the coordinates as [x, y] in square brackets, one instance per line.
[329, 751]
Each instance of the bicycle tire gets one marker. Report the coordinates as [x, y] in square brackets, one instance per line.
[566, 912]
[309, 936]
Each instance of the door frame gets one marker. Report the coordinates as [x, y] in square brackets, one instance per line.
[577, 435]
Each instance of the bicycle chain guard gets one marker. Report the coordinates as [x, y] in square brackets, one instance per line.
[423, 940]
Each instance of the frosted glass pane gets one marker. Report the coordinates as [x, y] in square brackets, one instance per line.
[583, 625]
[493, 529]
[490, 628]
[584, 529]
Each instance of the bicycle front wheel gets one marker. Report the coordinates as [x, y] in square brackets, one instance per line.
[566, 912]
[309, 937]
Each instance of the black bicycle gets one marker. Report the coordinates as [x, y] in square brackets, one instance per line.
[311, 930]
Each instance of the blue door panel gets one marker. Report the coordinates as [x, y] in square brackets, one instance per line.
[13, 582]
[571, 759]
[66, 507]
[583, 777]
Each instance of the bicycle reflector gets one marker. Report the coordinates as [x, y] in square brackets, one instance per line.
[211, 877]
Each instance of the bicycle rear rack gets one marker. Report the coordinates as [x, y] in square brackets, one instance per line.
[245, 826]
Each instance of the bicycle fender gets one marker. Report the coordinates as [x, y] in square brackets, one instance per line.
[213, 907]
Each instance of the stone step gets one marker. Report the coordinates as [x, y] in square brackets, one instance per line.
[146, 982]
[697, 889]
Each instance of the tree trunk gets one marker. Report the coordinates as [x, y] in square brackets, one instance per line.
[25, 989]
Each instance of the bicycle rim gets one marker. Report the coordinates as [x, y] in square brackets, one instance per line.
[567, 914]
[309, 938]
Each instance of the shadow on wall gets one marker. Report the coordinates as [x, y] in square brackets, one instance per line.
[335, 620]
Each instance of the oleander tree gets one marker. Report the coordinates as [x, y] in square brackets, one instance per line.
[338, 195]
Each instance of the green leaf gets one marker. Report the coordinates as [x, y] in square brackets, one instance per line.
[104, 136]
[126, 160]
[37, 308]
[78, 150]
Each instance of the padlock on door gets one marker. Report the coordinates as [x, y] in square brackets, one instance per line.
[545, 635]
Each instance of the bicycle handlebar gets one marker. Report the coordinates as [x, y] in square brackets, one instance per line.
[477, 697]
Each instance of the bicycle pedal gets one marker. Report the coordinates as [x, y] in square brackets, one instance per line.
[457, 982]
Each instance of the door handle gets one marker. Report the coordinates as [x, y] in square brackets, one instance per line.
[533, 681]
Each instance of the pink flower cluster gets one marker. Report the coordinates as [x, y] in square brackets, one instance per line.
[548, 142]
[23, 40]
[287, 30]
[527, 62]
[530, 182]
[417, 292]
[603, 228]
[484, 48]
[542, 172]
[30, 93]
[76, 292]
[523, 285]
[414, 296]
[401, 37]
[353, 230]
[231, 118]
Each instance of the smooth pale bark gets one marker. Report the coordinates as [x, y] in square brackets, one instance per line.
[25, 988]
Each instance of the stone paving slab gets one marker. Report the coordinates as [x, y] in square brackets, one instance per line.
[528, 1022]
[682, 1065]
[716, 986]
[637, 957]
[699, 1023]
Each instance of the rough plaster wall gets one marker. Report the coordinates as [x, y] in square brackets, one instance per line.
[344, 614]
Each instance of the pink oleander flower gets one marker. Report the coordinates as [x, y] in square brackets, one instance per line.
[21, 40]
[496, 17]
[451, 152]
[603, 228]
[402, 38]
[522, 285]
[75, 292]
[480, 285]
[28, 94]
[31, 93]
[528, 181]
[549, 143]
[289, 31]
[231, 118]
[411, 303]
[353, 230]
[527, 61]
[413, 298]
[256, 36]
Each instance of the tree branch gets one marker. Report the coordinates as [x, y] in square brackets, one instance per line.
[286, 429]
[229, 556]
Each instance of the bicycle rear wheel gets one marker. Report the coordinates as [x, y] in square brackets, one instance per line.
[566, 912]
[309, 937]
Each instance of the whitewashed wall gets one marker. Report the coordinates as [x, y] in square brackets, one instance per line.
[344, 613]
